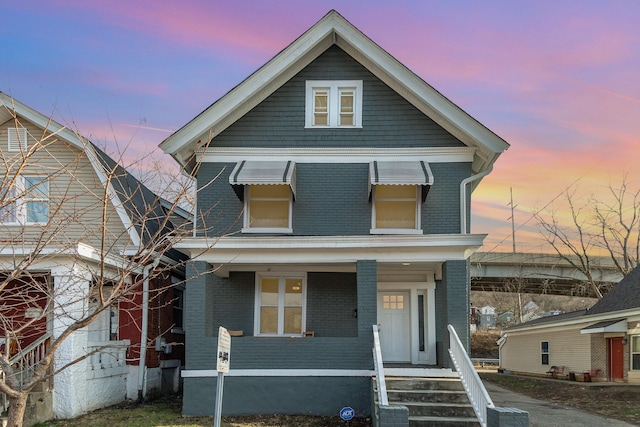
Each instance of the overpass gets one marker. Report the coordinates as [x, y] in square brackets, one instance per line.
[538, 273]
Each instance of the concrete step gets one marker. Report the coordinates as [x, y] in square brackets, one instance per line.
[398, 383]
[423, 421]
[439, 396]
[438, 409]
[431, 401]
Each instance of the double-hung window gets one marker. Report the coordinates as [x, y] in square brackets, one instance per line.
[544, 352]
[280, 304]
[268, 207]
[333, 104]
[267, 189]
[26, 202]
[396, 207]
[635, 352]
[398, 189]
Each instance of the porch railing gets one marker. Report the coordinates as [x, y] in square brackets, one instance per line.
[379, 368]
[24, 364]
[478, 396]
[107, 354]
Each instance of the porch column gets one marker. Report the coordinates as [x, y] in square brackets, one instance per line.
[452, 302]
[70, 294]
[367, 282]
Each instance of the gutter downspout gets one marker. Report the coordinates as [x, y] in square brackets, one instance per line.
[145, 325]
[463, 197]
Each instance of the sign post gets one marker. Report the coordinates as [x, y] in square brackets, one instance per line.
[223, 358]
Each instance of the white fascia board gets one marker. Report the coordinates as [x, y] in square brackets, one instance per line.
[55, 128]
[252, 85]
[54, 255]
[439, 108]
[332, 249]
[337, 154]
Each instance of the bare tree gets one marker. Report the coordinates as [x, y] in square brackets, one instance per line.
[78, 235]
[606, 223]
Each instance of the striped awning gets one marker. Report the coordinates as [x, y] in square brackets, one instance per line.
[263, 173]
[401, 173]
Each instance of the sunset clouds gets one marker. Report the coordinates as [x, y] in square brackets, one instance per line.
[560, 81]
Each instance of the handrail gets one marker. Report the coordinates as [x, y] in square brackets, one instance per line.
[478, 396]
[379, 368]
[30, 348]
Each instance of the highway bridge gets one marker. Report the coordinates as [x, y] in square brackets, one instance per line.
[538, 273]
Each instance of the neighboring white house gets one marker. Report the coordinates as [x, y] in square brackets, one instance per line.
[602, 343]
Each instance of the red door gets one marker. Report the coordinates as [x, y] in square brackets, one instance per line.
[615, 358]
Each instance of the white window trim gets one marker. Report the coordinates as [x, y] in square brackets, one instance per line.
[417, 230]
[632, 353]
[16, 139]
[21, 200]
[333, 103]
[548, 353]
[247, 228]
[258, 291]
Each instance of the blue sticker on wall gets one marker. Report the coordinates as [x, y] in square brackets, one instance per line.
[347, 413]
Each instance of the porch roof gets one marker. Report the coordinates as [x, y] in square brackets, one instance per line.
[331, 249]
[617, 325]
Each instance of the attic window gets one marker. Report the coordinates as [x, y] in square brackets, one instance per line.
[333, 104]
[17, 139]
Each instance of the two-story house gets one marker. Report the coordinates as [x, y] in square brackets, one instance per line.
[75, 227]
[334, 190]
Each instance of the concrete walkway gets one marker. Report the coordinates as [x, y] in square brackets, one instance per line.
[547, 414]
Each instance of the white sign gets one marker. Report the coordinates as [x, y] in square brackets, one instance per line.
[224, 350]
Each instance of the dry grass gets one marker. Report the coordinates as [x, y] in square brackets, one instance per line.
[618, 402]
[166, 413]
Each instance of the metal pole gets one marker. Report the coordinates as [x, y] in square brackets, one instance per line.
[218, 409]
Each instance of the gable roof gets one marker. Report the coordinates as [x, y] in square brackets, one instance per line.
[331, 30]
[140, 210]
[623, 296]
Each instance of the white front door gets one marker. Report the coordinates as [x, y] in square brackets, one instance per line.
[394, 322]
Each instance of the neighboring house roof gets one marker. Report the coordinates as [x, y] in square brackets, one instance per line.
[140, 210]
[549, 319]
[331, 30]
[623, 296]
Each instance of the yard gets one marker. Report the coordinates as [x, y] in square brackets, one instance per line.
[620, 402]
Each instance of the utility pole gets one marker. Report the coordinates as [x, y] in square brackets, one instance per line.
[513, 221]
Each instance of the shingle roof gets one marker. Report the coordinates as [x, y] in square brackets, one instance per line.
[623, 296]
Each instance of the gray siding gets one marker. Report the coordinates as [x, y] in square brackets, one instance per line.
[331, 301]
[331, 199]
[388, 119]
[452, 307]
[212, 300]
[279, 395]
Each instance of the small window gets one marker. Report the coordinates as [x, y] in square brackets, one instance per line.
[395, 208]
[544, 351]
[334, 104]
[280, 305]
[268, 208]
[635, 353]
[17, 139]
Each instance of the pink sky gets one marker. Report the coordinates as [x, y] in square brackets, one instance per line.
[557, 80]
